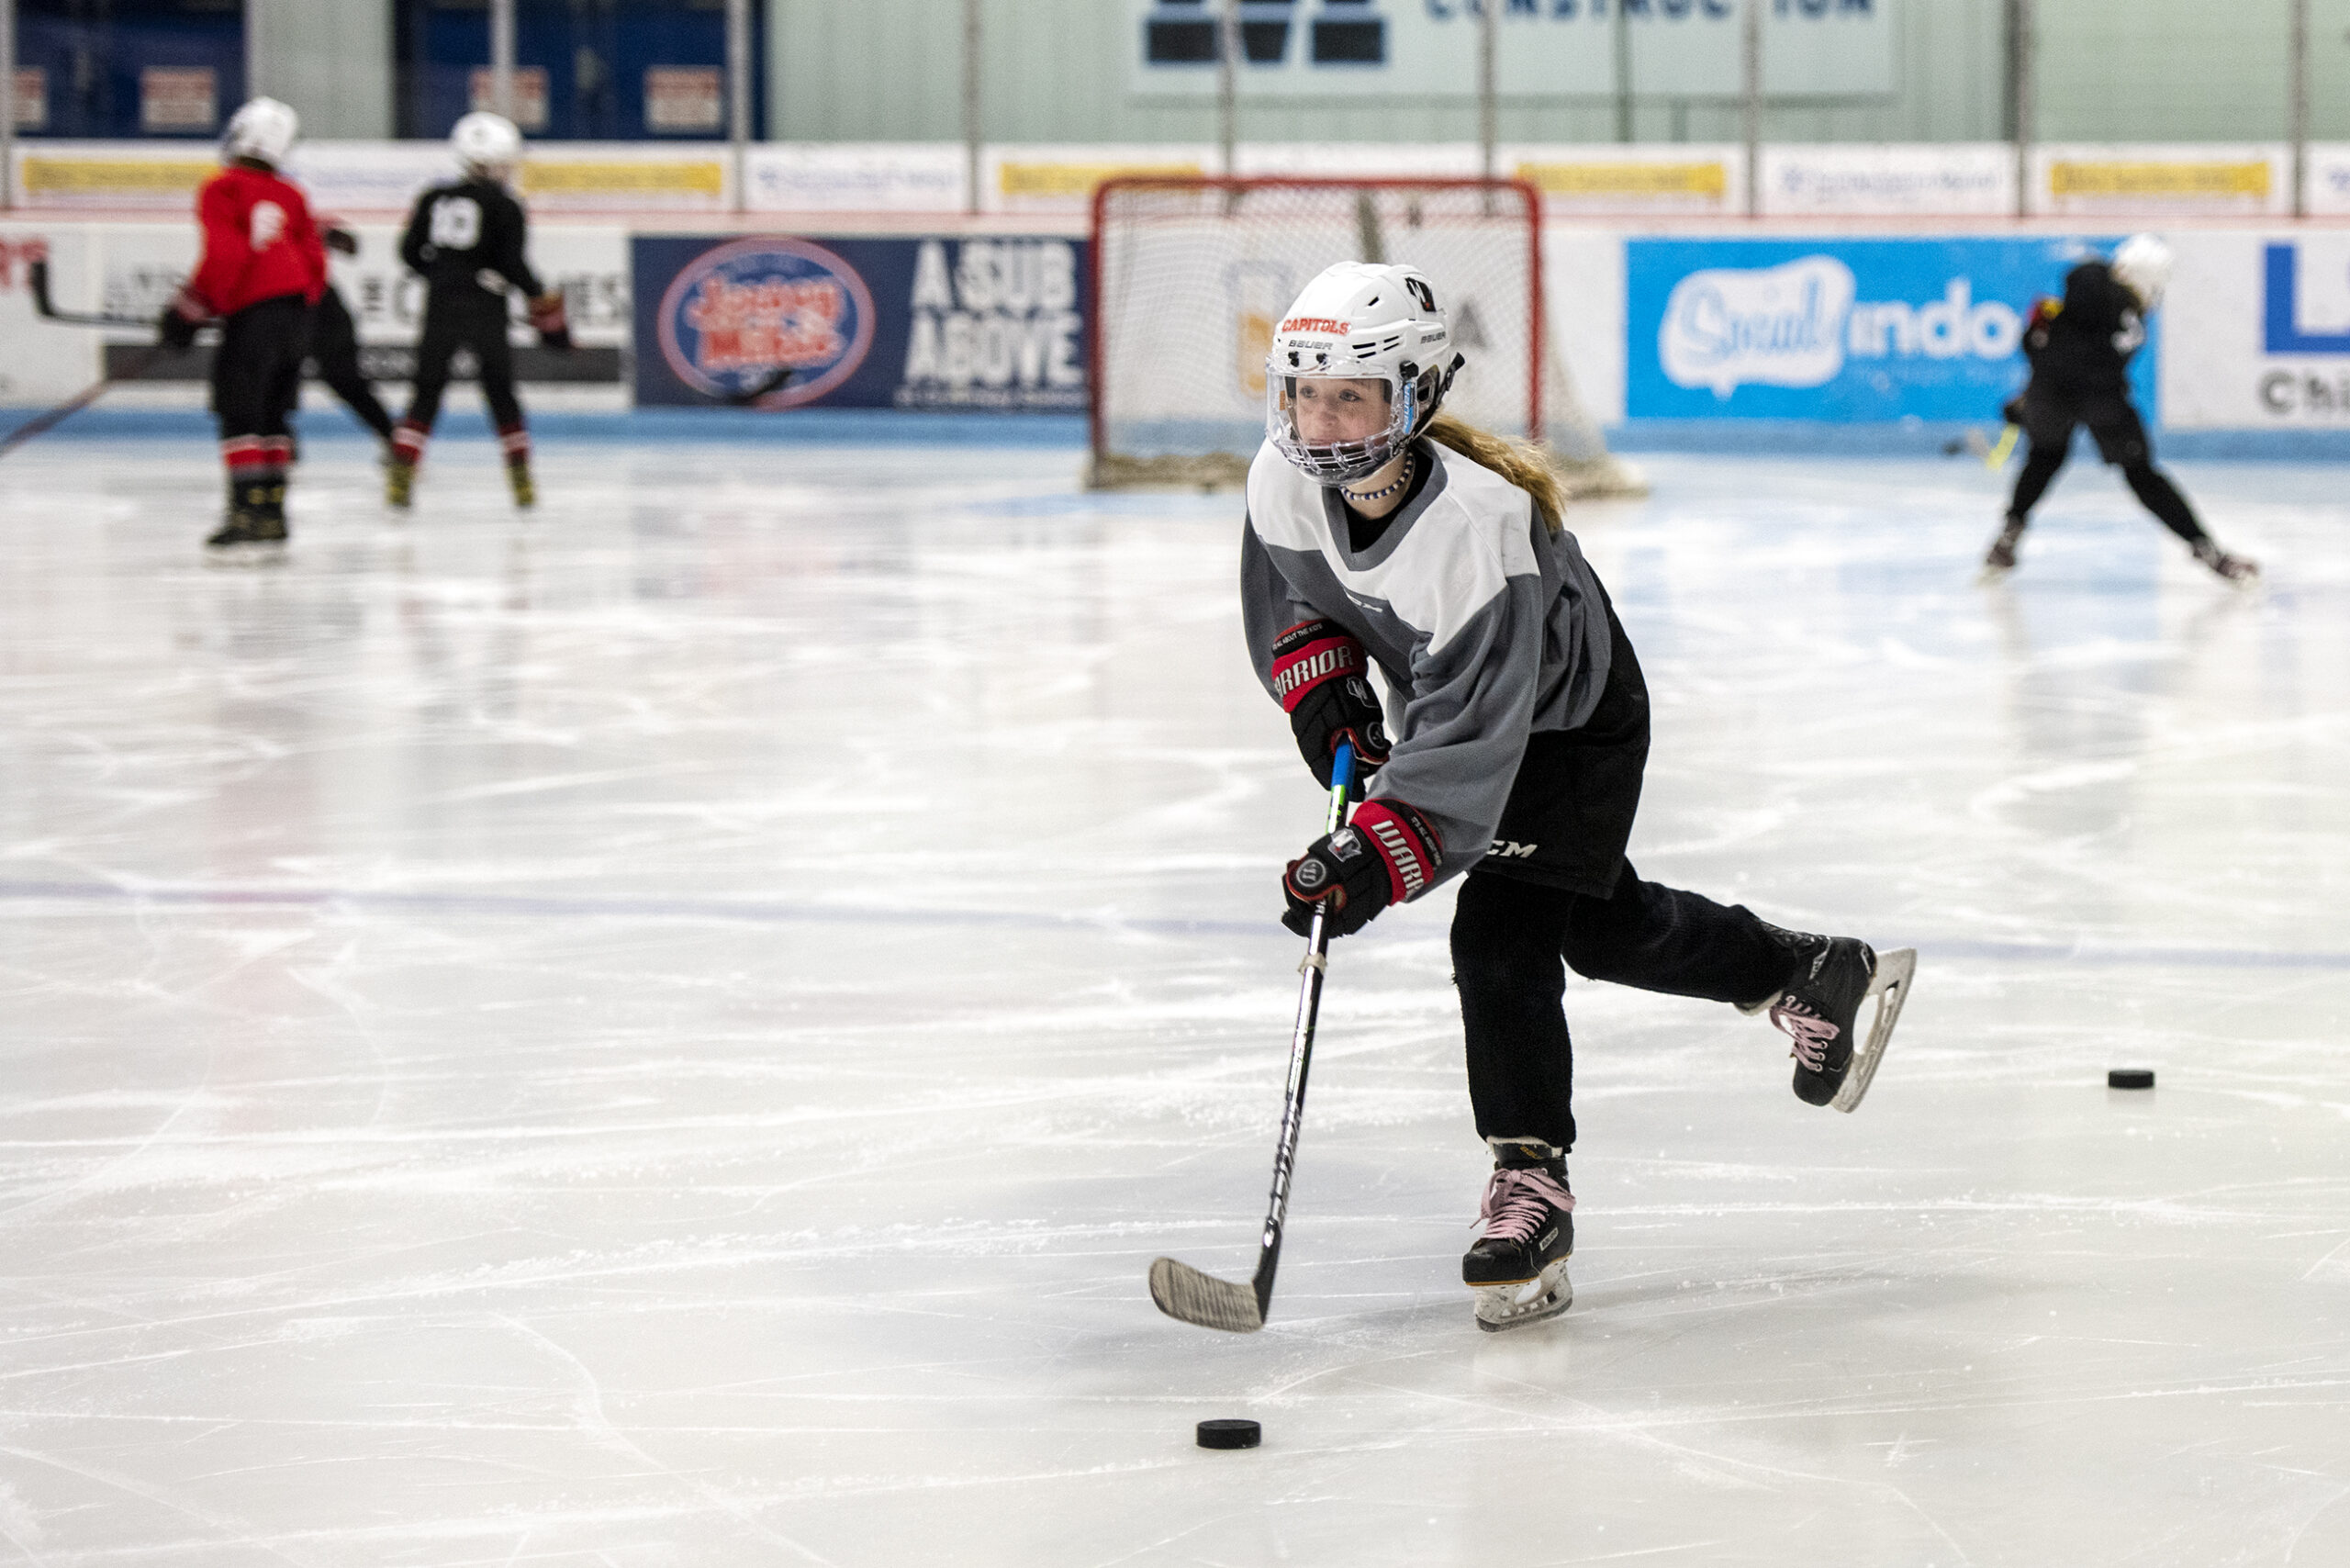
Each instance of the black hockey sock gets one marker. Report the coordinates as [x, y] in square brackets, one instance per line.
[2039, 469]
[2153, 487]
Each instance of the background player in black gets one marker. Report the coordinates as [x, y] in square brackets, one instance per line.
[334, 346]
[468, 240]
[2079, 351]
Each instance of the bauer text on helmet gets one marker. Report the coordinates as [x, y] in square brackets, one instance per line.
[1377, 341]
[485, 143]
[263, 131]
[2142, 262]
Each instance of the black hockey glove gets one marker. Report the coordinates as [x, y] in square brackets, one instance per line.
[1388, 854]
[174, 329]
[553, 325]
[1322, 678]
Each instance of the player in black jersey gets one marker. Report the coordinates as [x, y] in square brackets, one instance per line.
[334, 345]
[2079, 350]
[467, 239]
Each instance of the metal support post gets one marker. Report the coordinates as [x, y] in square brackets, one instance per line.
[1227, 81]
[501, 59]
[971, 105]
[1750, 90]
[738, 96]
[253, 61]
[7, 105]
[2019, 97]
[1623, 43]
[2297, 102]
[1488, 117]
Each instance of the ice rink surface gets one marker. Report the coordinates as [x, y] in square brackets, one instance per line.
[668, 1033]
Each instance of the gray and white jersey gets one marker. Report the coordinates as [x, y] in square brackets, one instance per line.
[1486, 629]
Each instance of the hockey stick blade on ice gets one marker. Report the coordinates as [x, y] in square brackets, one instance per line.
[1890, 986]
[36, 279]
[1183, 1292]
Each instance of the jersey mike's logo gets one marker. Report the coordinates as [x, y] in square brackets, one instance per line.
[736, 315]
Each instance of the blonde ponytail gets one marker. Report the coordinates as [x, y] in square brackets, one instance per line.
[1522, 463]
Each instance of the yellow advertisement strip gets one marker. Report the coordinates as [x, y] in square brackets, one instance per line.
[2067, 178]
[162, 178]
[1710, 179]
[698, 176]
[1077, 179]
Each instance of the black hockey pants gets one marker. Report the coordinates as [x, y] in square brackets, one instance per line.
[334, 353]
[1513, 942]
[2049, 414]
[468, 318]
[257, 369]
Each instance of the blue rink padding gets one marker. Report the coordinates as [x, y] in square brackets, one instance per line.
[889, 427]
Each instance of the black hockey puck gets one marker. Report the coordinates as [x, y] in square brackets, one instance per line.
[2130, 1078]
[1230, 1433]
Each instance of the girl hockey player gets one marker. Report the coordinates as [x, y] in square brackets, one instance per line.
[467, 240]
[262, 270]
[1379, 533]
[2079, 351]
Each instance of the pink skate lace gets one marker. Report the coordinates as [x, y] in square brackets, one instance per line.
[1513, 1205]
[1811, 1034]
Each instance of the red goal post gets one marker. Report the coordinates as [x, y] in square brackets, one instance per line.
[1189, 274]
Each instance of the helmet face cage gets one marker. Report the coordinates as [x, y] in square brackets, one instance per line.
[1411, 404]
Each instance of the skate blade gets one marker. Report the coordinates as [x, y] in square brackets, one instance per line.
[1890, 986]
[269, 554]
[1203, 1301]
[1544, 1295]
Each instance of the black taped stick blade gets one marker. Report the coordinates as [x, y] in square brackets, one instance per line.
[1230, 1433]
[1202, 1300]
[2130, 1078]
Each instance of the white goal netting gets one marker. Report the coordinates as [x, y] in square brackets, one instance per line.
[1190, 276]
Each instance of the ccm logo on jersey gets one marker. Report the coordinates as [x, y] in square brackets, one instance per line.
[1315, 324]
[1509, 850]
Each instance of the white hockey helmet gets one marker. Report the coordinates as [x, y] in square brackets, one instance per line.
[2142, 262]
[1360, 320]
[485, 143]
[263, 130]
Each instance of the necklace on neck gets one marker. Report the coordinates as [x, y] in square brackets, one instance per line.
[1363, 498]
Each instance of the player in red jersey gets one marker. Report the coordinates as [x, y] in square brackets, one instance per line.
[262, 270]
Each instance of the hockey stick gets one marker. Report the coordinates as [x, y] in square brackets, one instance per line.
[134, 368]
[37, 276]
[1182, 1290]
[774, 382]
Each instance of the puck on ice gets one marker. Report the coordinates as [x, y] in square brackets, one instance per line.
[1230, 1433]
[2130, 1078]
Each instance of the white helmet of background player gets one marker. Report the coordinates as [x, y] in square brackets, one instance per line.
[1360, 320]
[2142, 262]
[487, 144]
[263, 131]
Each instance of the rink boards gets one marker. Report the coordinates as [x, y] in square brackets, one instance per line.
[1701, 337]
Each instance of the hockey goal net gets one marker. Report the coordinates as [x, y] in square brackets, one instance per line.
[1190, 274]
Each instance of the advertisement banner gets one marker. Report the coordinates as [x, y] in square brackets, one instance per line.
[1847, 332]
[2246, 180]
[1973, 178]
[864, 176]
[1372, 48]
[968, 322]
[2329, 179]
[1617, 179]
[2258, 335]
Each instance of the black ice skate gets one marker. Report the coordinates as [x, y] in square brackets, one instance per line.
[254, 530]
[1518, 1268]
[2000, 559]
[1820, 1007]
[2242, 570]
